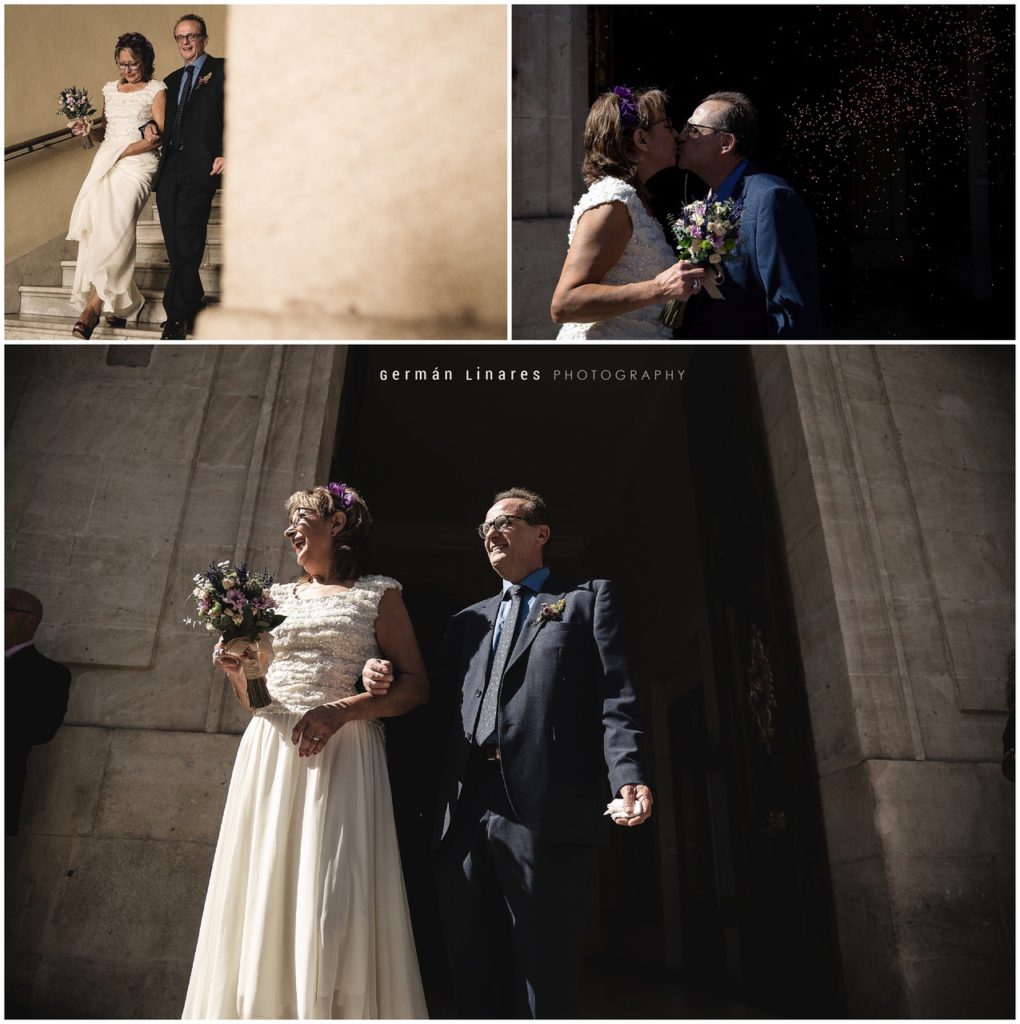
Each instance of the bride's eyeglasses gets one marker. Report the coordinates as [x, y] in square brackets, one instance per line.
[129, 66]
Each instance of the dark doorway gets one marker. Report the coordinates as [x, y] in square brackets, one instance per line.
[607, 436]
[883, 118]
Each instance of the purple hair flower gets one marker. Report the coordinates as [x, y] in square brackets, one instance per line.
[342, 493]
[628, 108]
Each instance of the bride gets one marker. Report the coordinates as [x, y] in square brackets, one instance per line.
[620, 270]
[306, 915]
[106, 211]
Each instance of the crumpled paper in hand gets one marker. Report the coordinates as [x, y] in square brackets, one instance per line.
[614, 809]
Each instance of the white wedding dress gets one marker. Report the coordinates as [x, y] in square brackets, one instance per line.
[106, 211]
[646, 256]
[306, 915]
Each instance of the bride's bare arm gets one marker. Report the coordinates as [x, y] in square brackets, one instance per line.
[231, 667]
[600, 238]
[159, 109]
[410, 687]
[97, 134]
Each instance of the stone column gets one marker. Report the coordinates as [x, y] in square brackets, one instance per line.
[128, 470]
[550, 103]
[365, 189]
[893, 469]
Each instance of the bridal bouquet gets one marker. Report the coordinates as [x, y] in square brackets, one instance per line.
[706, 231]
[237, 604]
[75, 105]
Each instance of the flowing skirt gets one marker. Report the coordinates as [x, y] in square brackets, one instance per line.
[306, 915]
[103, 222]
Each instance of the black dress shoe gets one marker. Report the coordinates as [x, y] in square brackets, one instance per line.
[174, 330]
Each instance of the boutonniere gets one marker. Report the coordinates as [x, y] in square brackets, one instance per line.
[550, 613]
[204, 80]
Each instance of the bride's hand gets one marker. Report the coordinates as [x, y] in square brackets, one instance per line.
[77, 128]
[316, 726]
[680, 281]
[226, 662]
[377, 676]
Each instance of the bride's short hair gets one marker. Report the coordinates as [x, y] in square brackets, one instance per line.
[141, 49]
[353, 545]
[609, 141]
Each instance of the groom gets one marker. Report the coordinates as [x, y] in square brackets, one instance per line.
[546, 733]
[190, 170]
[771, 289]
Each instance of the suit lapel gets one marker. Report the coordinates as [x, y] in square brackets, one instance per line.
[529, 632]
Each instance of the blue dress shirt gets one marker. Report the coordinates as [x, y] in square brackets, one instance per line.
[729, 183]
[532, 583]
[197, 65]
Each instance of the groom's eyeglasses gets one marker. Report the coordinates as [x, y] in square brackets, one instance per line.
[500, 524]
[191, 37]
[694, 130]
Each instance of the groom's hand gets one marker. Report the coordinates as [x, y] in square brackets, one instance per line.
[217, 166]
[151, 132]
[632, 796]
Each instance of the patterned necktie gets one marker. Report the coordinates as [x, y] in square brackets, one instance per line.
[487, 716]
[178, 142]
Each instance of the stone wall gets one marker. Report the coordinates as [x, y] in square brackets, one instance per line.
[550, 102]
[123, 481]
[895, 483]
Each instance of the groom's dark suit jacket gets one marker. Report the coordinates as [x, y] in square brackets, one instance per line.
[567, 716]
[203, 121]
[771, 290]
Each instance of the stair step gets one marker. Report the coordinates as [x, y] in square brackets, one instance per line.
[59, 327]
[214, 214]
[39, 300]
[150, 272]
[150, 231]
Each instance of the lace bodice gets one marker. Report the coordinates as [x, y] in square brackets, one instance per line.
[647, 254]
[126, 112]
[323, 644]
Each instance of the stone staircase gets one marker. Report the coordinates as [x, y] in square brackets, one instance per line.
[46, 312]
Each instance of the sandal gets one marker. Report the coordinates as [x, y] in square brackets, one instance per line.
[83, 330]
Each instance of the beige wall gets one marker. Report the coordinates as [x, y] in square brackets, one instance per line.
[365, 190]
[49, 48]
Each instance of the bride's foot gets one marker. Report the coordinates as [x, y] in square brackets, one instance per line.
[115, 321]
[86, 324]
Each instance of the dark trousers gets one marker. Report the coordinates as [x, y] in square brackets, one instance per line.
[515, 908]
[184, 200]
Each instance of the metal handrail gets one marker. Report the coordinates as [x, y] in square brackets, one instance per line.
[41, 142]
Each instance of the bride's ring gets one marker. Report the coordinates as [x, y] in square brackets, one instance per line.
[315, 739]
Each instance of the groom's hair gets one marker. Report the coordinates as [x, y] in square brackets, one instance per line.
[191, 17]
[740, 118]
[535, 505]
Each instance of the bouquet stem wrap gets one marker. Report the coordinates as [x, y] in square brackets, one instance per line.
[86, 142]
[256, 656]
